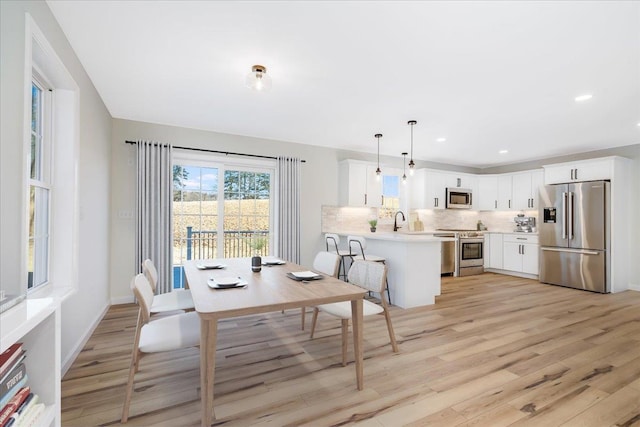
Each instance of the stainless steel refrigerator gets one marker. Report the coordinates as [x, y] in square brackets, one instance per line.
[574, 235]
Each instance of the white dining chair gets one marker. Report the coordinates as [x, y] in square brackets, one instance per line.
[357, 245]
[371, 276]
[327, 263]
[178, 299]
[332, 242]
[152, 336]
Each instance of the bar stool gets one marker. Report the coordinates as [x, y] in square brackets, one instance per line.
[332, 241]
[358, 244]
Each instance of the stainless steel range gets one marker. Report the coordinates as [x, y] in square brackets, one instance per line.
[470, 251]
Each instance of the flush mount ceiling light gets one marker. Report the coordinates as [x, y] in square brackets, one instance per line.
[585, 97]
[404, 168]
[441, 139]
[378, 171]
[503, 151]
[258, 79]
[412, 165]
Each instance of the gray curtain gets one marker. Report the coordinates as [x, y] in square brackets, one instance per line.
[153, 210]
[289, 209]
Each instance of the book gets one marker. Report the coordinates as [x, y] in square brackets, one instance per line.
[14, 404]
[23, 409]
[30, 418]
[13, 378]
[9, 355]
[4, 374]
[13, 391]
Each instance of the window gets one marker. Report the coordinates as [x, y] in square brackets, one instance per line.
[39, 186]
[239, 226]
[390, 196]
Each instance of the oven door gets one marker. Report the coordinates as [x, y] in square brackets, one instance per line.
[471, 252]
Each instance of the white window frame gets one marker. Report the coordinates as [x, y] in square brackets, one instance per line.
[42, 180]
[210, 160]
[41, 61]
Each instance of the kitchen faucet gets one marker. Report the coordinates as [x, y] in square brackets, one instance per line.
[395, 220]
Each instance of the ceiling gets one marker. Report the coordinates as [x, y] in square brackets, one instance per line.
[487, 76]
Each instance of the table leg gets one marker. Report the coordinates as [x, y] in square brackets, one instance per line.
[208, 337]
[356, 316]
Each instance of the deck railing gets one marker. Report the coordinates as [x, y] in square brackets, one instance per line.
[203, 244]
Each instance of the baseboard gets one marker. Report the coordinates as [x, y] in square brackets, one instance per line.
[122, 300]
[512, 273]
[634, 287]
[82, 341]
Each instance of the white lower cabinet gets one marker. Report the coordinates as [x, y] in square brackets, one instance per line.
[520, 253]
[493, 250]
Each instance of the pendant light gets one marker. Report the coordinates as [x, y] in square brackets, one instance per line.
[412, 165]
[258, 79]
[404, 168]
[378, 171]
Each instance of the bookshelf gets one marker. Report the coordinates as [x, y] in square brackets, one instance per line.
[36, 323]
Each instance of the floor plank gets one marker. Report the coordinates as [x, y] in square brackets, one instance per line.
[493, 351]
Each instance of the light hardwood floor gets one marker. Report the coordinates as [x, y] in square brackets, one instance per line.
[493, 351]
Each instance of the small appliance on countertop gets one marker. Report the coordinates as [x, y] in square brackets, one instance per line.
[525, 224]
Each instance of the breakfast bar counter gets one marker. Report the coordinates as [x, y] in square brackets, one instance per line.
[413, 261]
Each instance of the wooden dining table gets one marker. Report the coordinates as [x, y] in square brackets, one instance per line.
[268, 290]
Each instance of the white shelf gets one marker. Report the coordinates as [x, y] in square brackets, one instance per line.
[35, 322]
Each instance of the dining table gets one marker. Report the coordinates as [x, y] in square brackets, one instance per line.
[274, 288]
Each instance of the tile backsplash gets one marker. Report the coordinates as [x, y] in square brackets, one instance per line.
[352, 219]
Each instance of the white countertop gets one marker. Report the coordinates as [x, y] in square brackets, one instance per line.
[408, 237]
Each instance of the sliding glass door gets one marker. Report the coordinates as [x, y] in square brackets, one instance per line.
[220, 210]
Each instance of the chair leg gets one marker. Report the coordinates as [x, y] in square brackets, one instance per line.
[135, 358]
[392, 335]
[314, 319]
[303, 312]
[345, 340]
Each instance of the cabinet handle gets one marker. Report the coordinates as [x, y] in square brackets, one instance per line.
[572, 174]
[509, 203]
[522, 249]
[459, 182]
[575, 175]
[435, 202]
[496, 204]
[381, 200]
[365, 198]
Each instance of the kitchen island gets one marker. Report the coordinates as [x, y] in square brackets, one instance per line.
[413, 261]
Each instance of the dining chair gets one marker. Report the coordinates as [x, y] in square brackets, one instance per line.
[153, 336]
[357, 244]
[371, 276]
[327, 263]
[178, 299]
[332, 242]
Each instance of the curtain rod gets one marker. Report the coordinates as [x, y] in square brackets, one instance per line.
[221, 152]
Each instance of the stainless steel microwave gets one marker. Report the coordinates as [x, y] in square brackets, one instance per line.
[458, 198]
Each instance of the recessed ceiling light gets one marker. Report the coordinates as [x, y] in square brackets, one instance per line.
[441, 139]
[503, 151]
[584, 97]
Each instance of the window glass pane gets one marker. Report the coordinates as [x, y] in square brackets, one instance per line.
[38, 244]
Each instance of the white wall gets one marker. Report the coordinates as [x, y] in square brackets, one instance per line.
[86, 306]
[319, 186]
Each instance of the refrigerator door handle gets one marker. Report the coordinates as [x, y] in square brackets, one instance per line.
[564, 215]
[570, 222]
[575, 251]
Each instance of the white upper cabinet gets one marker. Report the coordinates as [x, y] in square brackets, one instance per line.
[358, 184]
[586, 170]
[505, 190]
[487, 197]
[435, 189]
[525, 189]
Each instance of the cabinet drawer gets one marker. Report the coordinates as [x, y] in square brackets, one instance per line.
[521, 238]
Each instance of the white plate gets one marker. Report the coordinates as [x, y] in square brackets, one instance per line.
[209, 266]
[304, 274]
[272, 261]
[215, 285]
[226, 281]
